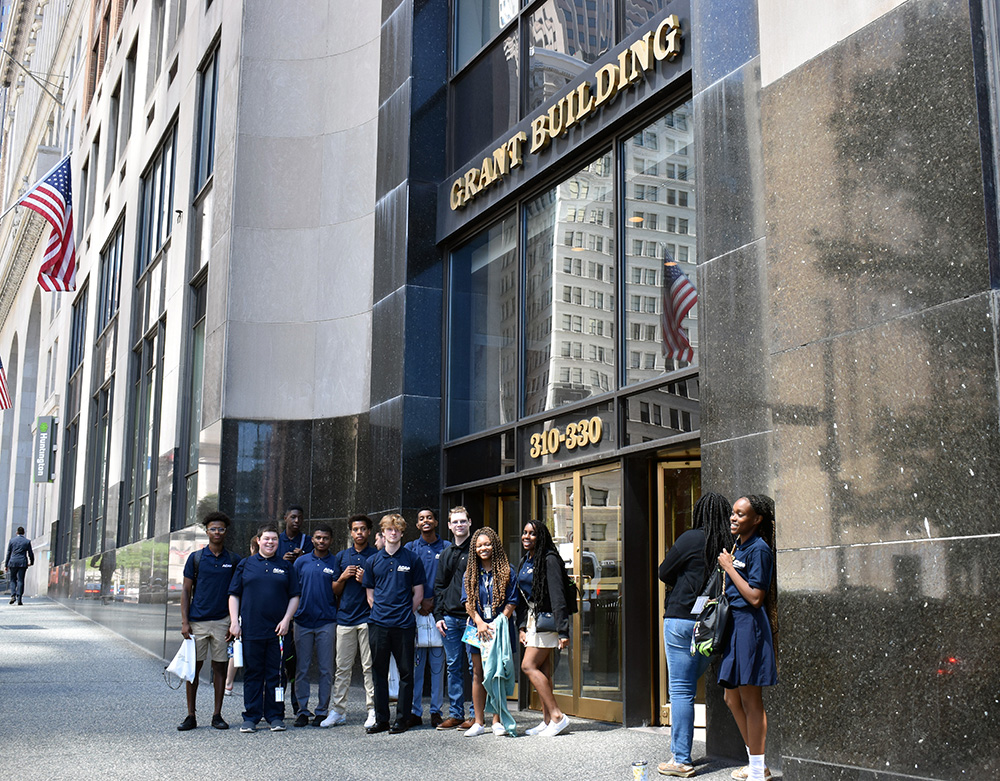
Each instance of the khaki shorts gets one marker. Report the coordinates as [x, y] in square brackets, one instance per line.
[533, 639]
[210, 639]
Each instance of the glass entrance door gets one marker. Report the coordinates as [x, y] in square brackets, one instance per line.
[678, 489]
[583, 511]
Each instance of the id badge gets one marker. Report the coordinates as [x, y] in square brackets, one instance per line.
[699, 605]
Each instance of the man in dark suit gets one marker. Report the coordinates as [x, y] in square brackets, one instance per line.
[19, 558]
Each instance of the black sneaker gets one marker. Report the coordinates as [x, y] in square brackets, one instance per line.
[318, 720]
[302, 720]
[189, 723]
[218, 722]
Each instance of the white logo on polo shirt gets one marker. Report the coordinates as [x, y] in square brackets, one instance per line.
[327, 571]
[278, 571]
[402, 568]
[227, 566]
[739, 564]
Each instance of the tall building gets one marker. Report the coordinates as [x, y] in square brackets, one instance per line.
[372, 256]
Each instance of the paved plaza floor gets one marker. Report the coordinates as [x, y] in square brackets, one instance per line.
[79, 701]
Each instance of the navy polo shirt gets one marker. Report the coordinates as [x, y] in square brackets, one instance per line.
[211, 590]
[354, 608]
[317, 605]
[265, 587]
[526, 579]
[754, 560]
[286, 545]
[429, 553]
[393, 577]
[485, 604]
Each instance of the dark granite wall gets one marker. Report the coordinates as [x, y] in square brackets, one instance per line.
[849, 346]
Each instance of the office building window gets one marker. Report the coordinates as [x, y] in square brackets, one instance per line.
[156, 200]
[207, 99]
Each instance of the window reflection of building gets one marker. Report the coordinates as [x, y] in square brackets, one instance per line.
[659, 228]
[565, 36]
[569, 296]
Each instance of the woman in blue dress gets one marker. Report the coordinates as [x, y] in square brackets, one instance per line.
[748, 661]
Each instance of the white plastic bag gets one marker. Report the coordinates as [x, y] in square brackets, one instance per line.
[428, 635]
[183, 663]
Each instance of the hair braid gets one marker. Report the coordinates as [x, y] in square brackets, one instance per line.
[711, 514]
[501, 573]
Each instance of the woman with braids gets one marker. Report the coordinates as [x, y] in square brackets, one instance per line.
[542, 580]
[688, 564]
[489, 590]
[748, 655]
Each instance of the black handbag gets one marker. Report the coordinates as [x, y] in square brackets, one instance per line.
[545, 622]
[710, 628]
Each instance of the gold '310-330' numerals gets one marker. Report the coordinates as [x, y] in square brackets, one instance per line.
[580, 434]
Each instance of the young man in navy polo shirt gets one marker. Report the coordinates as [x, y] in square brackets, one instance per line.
[315, 625]
[205, 613]
[352, 621]
[395, 581]
[428, 546]
[292, 543]
[263, 597]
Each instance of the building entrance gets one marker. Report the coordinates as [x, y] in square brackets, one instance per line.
[678, 488]
[583, 511]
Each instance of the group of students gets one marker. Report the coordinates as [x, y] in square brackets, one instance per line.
[293, 600]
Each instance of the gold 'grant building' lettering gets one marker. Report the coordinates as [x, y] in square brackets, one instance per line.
[661, 44]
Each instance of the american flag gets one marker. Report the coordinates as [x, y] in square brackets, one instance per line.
[52, 198]
[679, 296]
[4, 395]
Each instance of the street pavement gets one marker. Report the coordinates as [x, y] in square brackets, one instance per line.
[79, 701]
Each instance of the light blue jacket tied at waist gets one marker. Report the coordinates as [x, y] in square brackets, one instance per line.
[499, 674]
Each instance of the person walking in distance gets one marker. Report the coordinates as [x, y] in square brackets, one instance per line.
[315, 625]
[205, 614]
[451, 616]
[352, 621]
[19, 558]
[428, 546]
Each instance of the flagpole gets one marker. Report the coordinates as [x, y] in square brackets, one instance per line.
[27, 192]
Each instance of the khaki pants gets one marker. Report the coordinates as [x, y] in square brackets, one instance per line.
[351, 640]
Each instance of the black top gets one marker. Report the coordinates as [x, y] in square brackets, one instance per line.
[555, 602]
[684, 569]
[448, 581]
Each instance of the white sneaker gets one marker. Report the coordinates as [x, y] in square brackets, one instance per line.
[498, 729]
[554, 728]
[370, 721]
[334, 720]
[537, 730]
[475, 730]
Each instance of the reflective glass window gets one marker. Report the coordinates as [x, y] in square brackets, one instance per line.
[482, 347]
[563, 40]
[636, 13]
[660, 247]
[476, 23]
[570, 291]
[485, 100]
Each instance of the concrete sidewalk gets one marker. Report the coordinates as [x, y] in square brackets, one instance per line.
[78, 701]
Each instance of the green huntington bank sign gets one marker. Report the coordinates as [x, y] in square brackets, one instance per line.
[44, 442]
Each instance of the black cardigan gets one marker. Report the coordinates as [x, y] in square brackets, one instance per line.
[684, 569]
[556, 601]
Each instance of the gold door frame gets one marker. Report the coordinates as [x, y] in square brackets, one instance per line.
[578, 705]
[662, 538]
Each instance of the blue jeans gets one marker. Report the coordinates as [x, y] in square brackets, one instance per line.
[458, 661]
[421, 656]
[684, 670]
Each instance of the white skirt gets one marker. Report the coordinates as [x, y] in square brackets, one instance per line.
[535, 639]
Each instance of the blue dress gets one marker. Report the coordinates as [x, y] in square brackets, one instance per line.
[748, 655]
